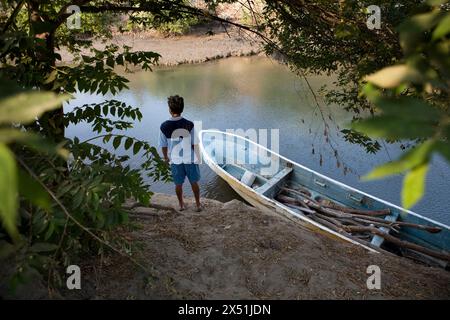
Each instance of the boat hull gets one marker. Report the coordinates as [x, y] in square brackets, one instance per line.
[320, 186]
[269, 206]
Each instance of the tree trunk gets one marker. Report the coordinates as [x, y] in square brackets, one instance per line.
[51, 122]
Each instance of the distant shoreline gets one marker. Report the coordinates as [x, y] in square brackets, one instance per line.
[187, 49]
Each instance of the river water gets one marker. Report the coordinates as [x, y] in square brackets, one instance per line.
[258, 93]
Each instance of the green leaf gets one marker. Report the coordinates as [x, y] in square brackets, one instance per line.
[50, 230]
[43, 247]
[32, 140]
[33, 191]
[96, 201]
[442, 29]
[116, 142]
[436, 2]
[393, 76]
[137, 147]
[392, 127]
[51, 77]
[25, 107]
[12, 135]
[407, 108]
[403, 106]
[119, 59]
[345, 30]
[8, 190]
[444, 149]
[77, 200]
[110, 62]
[128, 143]
[413, 158]
[414, 185]
[6, 249]
[411, 31]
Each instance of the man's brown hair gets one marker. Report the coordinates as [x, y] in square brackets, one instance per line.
[176, 104]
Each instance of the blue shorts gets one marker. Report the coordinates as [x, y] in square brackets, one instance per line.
[182, 170]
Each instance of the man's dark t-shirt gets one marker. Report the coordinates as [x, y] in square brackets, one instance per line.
[172, 133]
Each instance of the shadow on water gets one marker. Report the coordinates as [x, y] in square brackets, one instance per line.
[217, 188]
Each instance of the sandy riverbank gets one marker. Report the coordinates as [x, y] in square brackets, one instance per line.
[195, 47]
[233, 251]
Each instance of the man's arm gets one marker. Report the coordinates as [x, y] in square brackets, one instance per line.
[197, 152]
[164, 152]
[164, 146]
[195, 146]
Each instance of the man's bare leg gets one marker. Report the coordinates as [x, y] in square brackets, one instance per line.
[196, 191]
[179, 192]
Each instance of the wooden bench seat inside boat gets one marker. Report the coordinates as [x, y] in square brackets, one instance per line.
[270, 187]
[377, 240]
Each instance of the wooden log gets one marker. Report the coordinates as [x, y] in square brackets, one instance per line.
[300, 189]
[430, 229]
[294, 203]
[401, 243]
[301, 194]
[351, 221]
[328, 211]
[383, 223]
[345, 215]
[312, 204]
[341, 231]
[374, 220]
[339, 222]
[324, 220]
[330, 219]
[363, 236]
[335, 206]
[303, 209]
[373, 213]
[290, 200]
[333, 224]
[286, 199]
[329, 224]
[300, 205]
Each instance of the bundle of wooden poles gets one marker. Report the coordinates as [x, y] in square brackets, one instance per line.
[359, 225]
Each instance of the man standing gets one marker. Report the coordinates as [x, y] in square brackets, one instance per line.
[177, 142]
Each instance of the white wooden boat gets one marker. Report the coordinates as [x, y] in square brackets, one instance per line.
[258, 175]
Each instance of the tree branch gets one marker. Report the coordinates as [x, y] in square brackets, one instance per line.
[71, 217]
[181, 9]
[13, 15]
[63, 14]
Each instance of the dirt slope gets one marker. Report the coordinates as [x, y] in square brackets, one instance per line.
[233, 251]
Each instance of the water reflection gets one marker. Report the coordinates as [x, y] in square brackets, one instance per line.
[259, 93]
